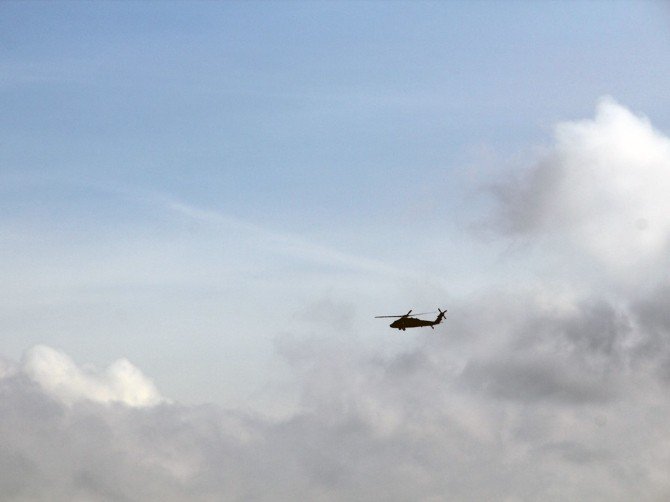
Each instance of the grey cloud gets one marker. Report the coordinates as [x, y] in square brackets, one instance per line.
[19, 474]
[574, 356]
[96, 452]
[652, 312]
[369, 428]
[407, 364]
[534, 380]
[574, 452]
[526, 201]
[600, 329]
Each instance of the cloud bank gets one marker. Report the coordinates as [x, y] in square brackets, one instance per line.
[557, 390]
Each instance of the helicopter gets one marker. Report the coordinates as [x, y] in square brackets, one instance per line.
[405, 321]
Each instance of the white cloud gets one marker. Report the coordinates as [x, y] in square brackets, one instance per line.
[601, 189]
[62, 379]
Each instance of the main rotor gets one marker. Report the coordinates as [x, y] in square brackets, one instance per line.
[404, 315]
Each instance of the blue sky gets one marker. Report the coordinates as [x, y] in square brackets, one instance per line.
[366, 128]
[226, 193]
[296, 113]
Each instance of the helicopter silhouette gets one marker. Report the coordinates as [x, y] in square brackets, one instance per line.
[405, 321]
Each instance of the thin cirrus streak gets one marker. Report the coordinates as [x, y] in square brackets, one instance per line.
[282, 242]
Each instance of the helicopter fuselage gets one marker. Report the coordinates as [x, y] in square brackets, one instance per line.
[410, 322]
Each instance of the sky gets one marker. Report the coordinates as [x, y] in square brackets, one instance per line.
[204, 205]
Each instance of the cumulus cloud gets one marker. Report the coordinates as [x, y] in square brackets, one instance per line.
[524, 394]
[62, 379]
[601, 189]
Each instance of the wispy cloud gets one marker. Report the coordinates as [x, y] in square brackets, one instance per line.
[280, 242]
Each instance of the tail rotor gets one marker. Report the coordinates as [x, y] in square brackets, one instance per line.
[441, 315]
